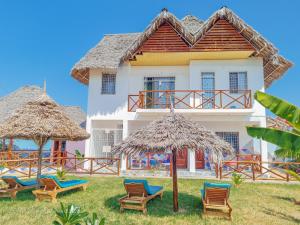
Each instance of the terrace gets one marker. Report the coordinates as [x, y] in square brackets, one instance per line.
[190, 99]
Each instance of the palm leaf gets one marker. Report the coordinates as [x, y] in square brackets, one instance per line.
[283, 139]
[281, 108]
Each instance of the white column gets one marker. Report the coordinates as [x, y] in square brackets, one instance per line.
[192, 160]
[264, 146]
[87, 149]
[125, 134]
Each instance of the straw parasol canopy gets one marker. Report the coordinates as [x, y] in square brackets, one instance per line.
[41, 120]
[173, 133]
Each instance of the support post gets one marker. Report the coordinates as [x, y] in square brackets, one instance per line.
[123, 156]
[175, 186]
[192, 160]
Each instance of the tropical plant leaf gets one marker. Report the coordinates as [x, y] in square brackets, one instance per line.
[285, 153]
[70, 215]
[293, 174]
[283, 139]
[281, 108]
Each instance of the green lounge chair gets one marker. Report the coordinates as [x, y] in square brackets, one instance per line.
[52, 186]
[139, 192]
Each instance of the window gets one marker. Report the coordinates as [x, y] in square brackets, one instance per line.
[208, 85]
[231, 137]
[238, 81]
[160, 85]
[108, 84]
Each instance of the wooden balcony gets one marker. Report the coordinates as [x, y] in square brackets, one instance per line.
[190, 99]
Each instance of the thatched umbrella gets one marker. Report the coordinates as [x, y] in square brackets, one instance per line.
[172, 134]
[41, 120]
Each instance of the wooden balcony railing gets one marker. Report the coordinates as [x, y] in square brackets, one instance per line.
[190, 99]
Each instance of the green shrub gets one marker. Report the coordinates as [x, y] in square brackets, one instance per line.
[61, 174]
[237, 179]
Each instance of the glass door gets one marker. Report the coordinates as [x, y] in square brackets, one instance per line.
[159, 97]
[208, 86]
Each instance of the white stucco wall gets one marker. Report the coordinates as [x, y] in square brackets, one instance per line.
[104, 109]
[130, 80]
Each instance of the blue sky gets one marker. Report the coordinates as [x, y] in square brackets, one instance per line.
[43, 39]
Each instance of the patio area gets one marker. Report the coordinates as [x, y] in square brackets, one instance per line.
[267, 203]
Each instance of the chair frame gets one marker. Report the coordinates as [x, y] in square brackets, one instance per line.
[137, 197]
[217, 198]
[50, 190]
[13, 188]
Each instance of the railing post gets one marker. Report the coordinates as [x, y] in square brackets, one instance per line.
[221, 100]
[287, 175]
[168, 105]
[253, 170]
[119, 162]
[91, 167]
[29, 169]
[194, 99]
[142, 99]
[217, 170]
[221, 170]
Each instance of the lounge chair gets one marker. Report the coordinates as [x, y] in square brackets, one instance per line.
[52, 186]
[138, 194]
[15, 185]
[215, 196]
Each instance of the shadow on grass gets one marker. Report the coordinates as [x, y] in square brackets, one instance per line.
[281, 215]
[188, 205]
[21, 196]
[284, 198]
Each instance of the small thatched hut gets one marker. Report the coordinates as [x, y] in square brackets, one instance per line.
[41, 120]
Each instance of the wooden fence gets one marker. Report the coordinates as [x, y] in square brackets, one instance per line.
[28, 167]
[256, 170]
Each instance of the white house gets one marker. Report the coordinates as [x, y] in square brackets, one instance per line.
[208, 70]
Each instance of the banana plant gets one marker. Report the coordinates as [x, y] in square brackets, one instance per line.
[70, 215]
[287, 141]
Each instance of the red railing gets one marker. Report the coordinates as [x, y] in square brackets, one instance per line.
[190, 99]
[28, 167]
[257, 170]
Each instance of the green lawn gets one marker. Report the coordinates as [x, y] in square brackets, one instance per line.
[253, 203]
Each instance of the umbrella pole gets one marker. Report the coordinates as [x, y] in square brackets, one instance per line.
[175, 186]
[39, 169]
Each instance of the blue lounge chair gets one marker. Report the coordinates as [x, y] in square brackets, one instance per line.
[15, 185]
[215, 196]
[139, 192]
[52, 186]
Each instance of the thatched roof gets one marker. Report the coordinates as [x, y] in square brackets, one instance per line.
[105, 55]
[11, 102]
[173, 131]
[41, 118]
[76, 114]
[114, 50]
[278, 123]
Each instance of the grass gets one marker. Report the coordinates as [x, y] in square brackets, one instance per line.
[253, 203]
